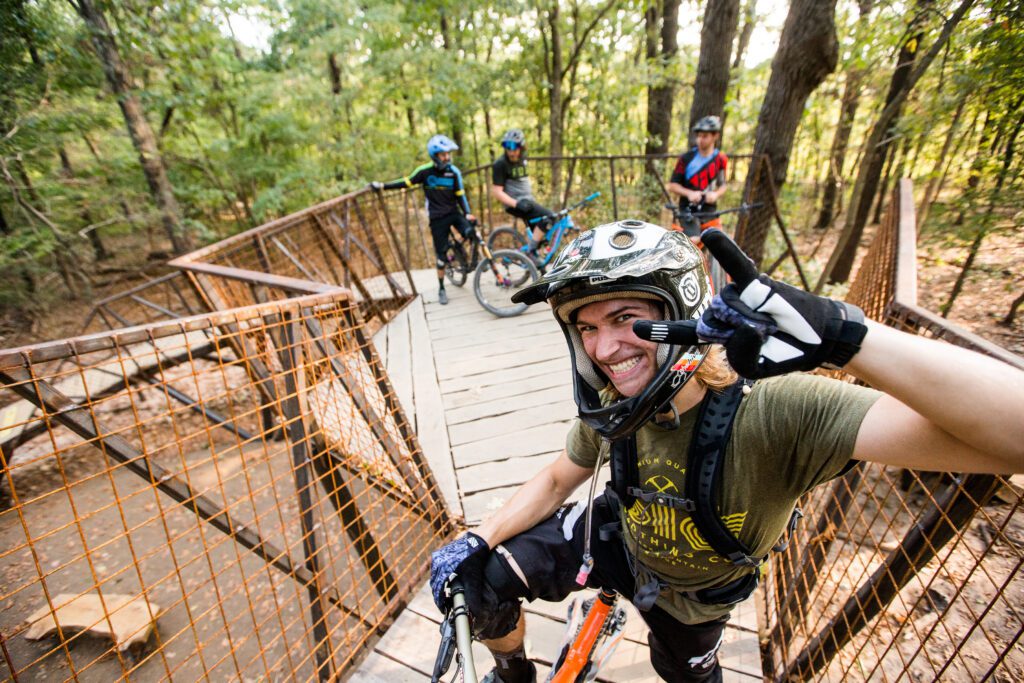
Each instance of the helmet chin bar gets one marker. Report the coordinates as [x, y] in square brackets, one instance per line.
[623, 417]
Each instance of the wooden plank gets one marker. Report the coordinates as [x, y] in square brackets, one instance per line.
[509, 390]
[528, 327]
[512, 423]
[530, 441]
[497, 474]
[559, 366]
[399, 364]
[561, 393]
[431, 430]
[534, 347]
[500, 361]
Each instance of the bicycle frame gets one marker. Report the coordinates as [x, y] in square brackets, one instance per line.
[557, 230]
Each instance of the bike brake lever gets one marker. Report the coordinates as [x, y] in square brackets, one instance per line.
[446, 650]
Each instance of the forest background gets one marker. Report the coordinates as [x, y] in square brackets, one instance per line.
[134, 130]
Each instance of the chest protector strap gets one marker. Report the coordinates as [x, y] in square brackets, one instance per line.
[703, 472]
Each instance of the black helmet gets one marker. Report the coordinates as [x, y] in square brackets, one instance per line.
[623, 260]
[708, 124]
[513, 138]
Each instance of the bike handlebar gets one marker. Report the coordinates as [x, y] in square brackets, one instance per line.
[676, 211]
[455, 626]
[566, 211]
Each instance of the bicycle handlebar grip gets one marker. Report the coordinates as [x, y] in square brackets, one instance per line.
[592, 197]
[678, 332]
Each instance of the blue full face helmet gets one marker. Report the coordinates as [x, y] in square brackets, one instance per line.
[438, 144]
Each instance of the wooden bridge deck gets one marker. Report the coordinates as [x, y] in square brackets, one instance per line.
[492, 402]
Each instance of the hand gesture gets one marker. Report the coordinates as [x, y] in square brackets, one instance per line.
[767, 327]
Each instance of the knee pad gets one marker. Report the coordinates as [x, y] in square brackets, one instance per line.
[441, 263]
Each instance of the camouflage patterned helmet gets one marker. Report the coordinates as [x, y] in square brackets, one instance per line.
[708, 124]
[626, 259]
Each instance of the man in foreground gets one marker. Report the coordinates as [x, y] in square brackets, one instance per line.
[639, 402]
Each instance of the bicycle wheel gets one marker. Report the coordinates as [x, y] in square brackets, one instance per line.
[456, 269]
[505, 237]
[498, 278]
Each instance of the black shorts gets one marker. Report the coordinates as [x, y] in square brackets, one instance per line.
[534, 210]
[440, 231]
[543, 563]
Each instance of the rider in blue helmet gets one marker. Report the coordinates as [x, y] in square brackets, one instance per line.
[447, 204]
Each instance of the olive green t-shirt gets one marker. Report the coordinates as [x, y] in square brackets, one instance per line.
[790, 434]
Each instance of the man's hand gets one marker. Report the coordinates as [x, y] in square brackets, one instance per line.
[466, 557]
[471, 218]
[767, 327]
[466, 553]
[377, 185]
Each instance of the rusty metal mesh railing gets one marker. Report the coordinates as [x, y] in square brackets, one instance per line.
[901, 575]
[266, 527]
[345, 242]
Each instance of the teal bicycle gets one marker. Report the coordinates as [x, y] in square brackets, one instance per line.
[559, 223]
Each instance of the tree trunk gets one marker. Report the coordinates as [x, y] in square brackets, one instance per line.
[661, 93]
[808, 52]
[743, 41]
[841, 262]
[335, 71]
[931, 190]
[449, 46]
[139, 129]
[1012, 313]
[99, 251]
[983, 224]
[841, 140]
[712, 81]
[555, 71]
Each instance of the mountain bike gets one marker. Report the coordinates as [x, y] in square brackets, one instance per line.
[497, 274]
[593, 629]
[559, 223]
[687, 220]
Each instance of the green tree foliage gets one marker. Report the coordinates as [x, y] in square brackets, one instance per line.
[346, 91]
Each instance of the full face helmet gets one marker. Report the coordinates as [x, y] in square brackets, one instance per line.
[708, 124]
[626, 259]
[514, 138]
[438, 144]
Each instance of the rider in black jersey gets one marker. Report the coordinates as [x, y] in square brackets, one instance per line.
[510, 185]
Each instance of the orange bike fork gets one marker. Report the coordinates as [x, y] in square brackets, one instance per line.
[583, 644]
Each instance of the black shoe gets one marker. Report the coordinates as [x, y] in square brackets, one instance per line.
[442, 297]
[493, 677]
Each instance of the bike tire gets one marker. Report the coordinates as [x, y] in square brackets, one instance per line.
[496, 279]
[456, 267]
[505, 237]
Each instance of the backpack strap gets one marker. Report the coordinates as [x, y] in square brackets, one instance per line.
[703, 472]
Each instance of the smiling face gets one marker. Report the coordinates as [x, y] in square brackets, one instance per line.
[514, 155]
[606, 328]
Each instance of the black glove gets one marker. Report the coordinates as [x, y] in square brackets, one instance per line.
[466, 558]
[767, 327]
[377, 185]
[526, 205]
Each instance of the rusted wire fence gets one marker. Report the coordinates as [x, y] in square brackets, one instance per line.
[899, 575]
[204, 539]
